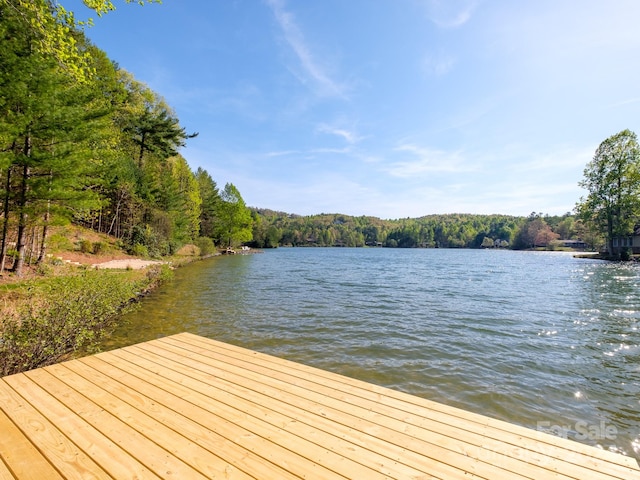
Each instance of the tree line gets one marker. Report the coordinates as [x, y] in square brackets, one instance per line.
[82, 140]
[272, 229]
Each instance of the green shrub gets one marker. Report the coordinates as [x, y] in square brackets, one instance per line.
[44, 269]
[85, 246]
[147, 238]
[206, 246]
[99, 247]
[172, 247]
[68, 315]
[160, 249]
[59, 241]
[139, 250]
[157, 274]
[57, 261]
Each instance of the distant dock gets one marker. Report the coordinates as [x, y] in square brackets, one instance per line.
[186, 407]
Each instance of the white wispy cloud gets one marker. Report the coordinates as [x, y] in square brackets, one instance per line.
[438, 64]
[623, 103]
[349, 136]
[312, 68]
[309, 153]
[328, 193]
[560, 159]
[282, 153]
[341, 151]
[426, 160]
[450, 13]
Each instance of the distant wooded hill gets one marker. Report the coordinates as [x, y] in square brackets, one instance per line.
[272, 229]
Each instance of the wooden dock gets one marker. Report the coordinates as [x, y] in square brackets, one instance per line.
[186, 407]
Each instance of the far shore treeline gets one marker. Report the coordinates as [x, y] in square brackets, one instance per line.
[272, 229]
[83, 141]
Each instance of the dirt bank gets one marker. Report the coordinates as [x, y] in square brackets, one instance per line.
[129, 263]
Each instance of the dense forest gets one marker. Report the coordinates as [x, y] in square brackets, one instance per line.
[94, 146]
[271, 229]
[83, 141]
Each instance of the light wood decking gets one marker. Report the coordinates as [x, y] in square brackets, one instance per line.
[186, 407]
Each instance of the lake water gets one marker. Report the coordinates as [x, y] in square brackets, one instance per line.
[543, 340]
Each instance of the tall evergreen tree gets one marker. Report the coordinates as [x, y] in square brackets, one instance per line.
[46, 121]
[210, 200]
[157, 130]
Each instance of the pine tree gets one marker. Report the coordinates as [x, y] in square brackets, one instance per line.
[210, 199]
[46, 122]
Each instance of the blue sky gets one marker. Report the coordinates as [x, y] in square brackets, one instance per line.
[390, 108]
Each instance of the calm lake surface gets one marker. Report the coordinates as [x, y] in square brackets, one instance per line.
[543, 340]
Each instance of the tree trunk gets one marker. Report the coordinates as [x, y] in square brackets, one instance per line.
[45, 231]
[45, 228]
[32, 246]
[116, 213]
[22, 204]
[610, 235]
[5, 223]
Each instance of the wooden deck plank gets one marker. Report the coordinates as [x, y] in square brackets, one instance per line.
[410, 403]
[174, 444]
[159, 460]
[281, 433]
[299, 415]
[88, 438]
[19, 454]
[433, 457]
[353, 415]
[496, 452]
[226, 423]
[568, 451]
[277, 414]
[177, 414]
[58, 449]
[205, 413]
[189, 407]
[407, 403]
[169, 428]
[5, 473]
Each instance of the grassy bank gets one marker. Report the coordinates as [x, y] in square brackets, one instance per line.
[65, 307]
[46, 320]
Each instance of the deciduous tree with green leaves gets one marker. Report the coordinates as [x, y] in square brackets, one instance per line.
[234, 218]
[612, 181]
[52, 27]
